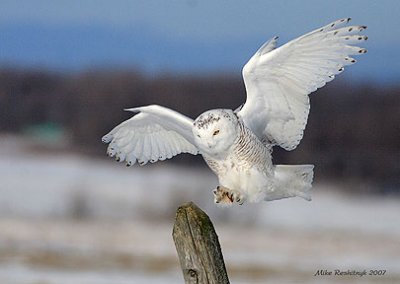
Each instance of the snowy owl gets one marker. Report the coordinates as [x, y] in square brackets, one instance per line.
[237, 145]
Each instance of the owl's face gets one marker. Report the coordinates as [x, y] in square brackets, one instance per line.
[215, 131]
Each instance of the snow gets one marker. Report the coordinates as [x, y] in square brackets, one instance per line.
[66, 218]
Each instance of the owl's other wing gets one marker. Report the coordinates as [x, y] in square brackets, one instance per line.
[155, 133]
[278, 81]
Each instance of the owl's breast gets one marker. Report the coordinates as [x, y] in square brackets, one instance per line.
[246, 158]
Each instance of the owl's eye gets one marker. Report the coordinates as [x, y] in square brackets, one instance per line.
[216, 132]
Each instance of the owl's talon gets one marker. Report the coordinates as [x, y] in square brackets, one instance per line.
[239, 201]
[227, 196]
[223, 195]
[238, 197]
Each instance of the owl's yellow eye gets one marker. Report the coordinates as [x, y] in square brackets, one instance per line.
[216, 132]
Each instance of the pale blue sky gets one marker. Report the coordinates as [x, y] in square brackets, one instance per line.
[206, 24]
[205, 19]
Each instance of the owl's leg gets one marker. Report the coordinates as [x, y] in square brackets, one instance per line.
[227, 196]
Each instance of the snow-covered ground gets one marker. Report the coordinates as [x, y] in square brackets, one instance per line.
[71, 219]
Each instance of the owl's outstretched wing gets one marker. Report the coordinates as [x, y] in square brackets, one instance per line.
[278, 81]
[155, 133]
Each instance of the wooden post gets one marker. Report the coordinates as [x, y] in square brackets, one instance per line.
[198, 247]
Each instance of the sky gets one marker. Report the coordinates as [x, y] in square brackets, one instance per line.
[189, 36]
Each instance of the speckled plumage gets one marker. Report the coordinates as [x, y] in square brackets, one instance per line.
[247, 151]
[237, 145]
[247, 154]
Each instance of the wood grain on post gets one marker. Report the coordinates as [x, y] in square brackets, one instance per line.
[198, 247]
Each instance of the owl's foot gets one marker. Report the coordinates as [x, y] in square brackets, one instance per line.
[223, 196]
[239, 198]
[226, 196]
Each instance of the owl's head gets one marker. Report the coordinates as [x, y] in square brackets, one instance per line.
[215, 131]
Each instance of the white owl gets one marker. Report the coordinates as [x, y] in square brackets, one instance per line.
[237, 145]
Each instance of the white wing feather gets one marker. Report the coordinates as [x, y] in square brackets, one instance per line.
[278, 81]
[155, 133]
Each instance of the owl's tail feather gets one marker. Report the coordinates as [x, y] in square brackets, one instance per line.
[292, 180]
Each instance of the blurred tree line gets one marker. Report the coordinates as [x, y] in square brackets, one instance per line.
[353, 132]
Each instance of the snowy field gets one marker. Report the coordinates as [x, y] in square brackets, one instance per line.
[71, 219]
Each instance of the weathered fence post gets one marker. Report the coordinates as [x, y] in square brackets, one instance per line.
[198, 247]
